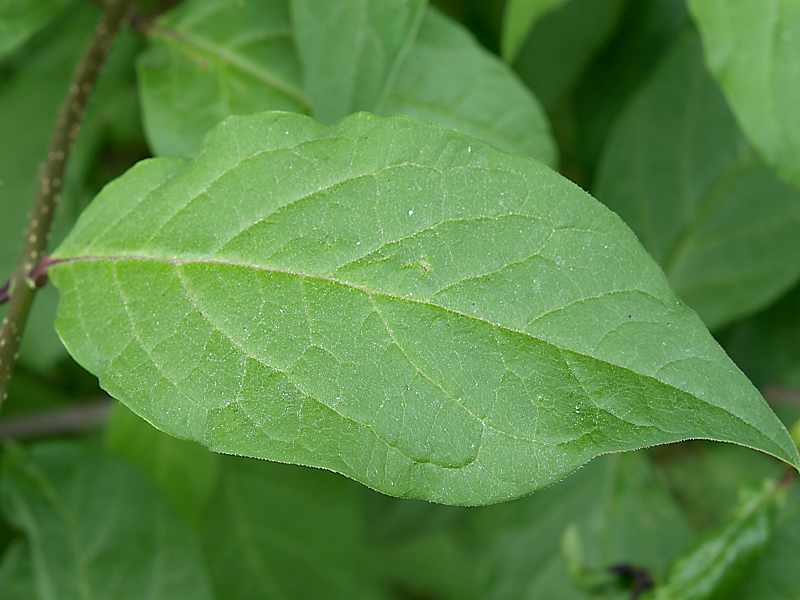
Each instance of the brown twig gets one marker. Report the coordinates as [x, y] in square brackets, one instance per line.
[72, 420]
[21, 285]
[776, 394]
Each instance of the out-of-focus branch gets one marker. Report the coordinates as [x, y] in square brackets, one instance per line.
[22, 283]
[71, 420]
[782, 395]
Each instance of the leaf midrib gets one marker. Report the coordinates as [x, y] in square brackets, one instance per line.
[370, 292]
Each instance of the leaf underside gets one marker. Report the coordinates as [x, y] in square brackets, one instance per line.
[392, 301]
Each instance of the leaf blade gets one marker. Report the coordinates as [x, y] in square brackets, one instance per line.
[357, 236]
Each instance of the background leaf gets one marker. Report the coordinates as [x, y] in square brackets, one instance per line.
[752, 47]
[20, 19]
[719, 563]
[573, 33]
[520, 15]
[75, 505]
[316, 295]
[767, 346]
[210, 59]
[618, 504]
[351, 52]
[186, 472]
[299, 533]
[721, 224]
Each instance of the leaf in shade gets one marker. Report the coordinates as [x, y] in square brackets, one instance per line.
[574, 33]
[395, 302]
[16, 573]
[767, 346]
[96, 529]
[752, 46]
[186, 472]
[720, 563]
[720, 222]
[707, 481]
[211, 59]
[646, 30]
[520, 16]
[617, 505]
[20, 19]
[288, 533]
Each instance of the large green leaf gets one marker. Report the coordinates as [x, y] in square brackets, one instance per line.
[752, 47]
[211, 58]
[520, 16]
[96, 529]
[720, 222]
[20, 19]
[392, 301]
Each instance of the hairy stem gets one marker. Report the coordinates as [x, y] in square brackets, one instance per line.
[21, 285]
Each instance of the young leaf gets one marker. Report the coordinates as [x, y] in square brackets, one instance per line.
[721, 223]
[774, 575]
[96, 529]
[214, 58]
[707, 482]
[392, 301]
[630, 519]
[20, 19]
[297, 533]
[520, 15]
[752, 47]
[715, 567]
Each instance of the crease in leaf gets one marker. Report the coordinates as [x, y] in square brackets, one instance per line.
[395, 302]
